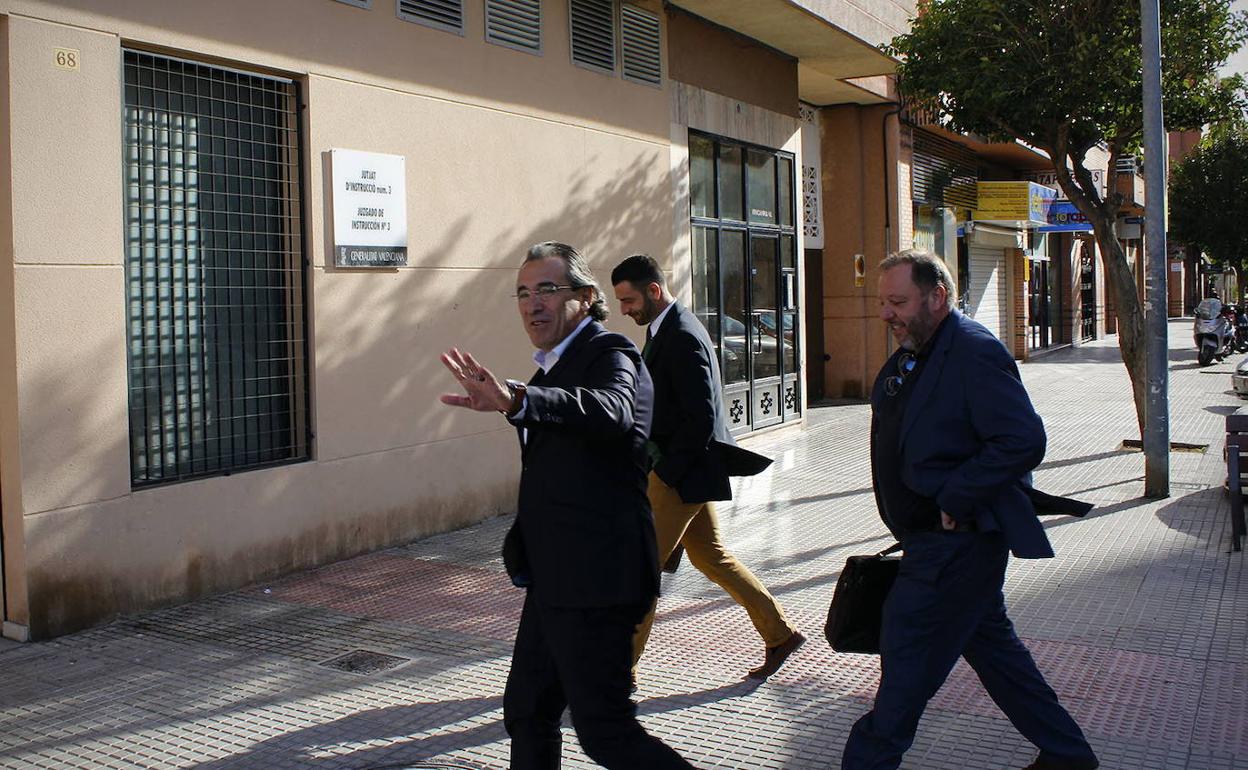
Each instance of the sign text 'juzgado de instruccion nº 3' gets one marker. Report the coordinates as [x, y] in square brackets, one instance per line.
[370, 209]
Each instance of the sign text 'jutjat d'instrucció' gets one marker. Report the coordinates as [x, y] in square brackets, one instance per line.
[370, 209]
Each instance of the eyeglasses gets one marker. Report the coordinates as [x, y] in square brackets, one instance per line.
[905, 365]
[544, 291]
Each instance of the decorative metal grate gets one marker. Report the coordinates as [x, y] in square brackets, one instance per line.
[593, 33]
[515, 24]
[214, 270]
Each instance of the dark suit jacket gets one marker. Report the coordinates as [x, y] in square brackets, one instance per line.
[698, 452]
[583, 529]
[970, 437]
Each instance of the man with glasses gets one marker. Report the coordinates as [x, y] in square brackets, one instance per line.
[693, 454]
[954, 438]
[583, 540]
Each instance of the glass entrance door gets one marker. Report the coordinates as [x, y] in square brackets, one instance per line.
[765, 396]
[745, 275]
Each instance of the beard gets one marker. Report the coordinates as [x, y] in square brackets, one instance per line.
[919, 329]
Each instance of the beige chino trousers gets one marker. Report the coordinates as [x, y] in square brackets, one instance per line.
[694, 525]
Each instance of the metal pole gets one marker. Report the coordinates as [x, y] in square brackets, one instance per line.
[1156, 436]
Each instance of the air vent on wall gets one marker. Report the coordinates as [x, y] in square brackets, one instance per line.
[639, 46]
[593, 33]
[514, 23]
[440, 14]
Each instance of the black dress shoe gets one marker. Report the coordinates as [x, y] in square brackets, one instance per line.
[1051, 763]
[776, 656]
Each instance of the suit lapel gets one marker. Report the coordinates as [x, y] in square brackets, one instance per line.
[929, 376]
[656, 342]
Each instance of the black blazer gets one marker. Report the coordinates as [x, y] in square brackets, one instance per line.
[584, 534]
[698, 452]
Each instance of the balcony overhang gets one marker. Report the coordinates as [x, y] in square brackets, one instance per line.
[1015, 154]
[826, 54]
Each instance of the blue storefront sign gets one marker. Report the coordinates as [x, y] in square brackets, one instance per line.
[1063, 217]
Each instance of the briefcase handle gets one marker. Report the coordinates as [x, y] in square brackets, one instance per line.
[894, 548]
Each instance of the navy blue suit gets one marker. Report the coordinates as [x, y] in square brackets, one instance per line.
[583, 542]
[969, 439]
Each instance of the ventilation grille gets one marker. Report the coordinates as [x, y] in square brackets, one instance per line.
[639, 46]
[440, 14]
[514, 23]
[593, 33]
[944, 172]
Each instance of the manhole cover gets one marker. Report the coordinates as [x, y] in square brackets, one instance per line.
[364, 662]
[1175, 446]
[424, 766]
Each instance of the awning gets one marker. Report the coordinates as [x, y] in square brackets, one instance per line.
[826, 54]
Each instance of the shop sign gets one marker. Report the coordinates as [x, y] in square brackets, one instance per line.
[370, 208]
[1018, 203]
[1049, 179]
[1063, 217]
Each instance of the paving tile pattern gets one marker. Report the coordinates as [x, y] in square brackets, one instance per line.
[1140, 623]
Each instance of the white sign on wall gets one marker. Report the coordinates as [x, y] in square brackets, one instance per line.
[370, 208]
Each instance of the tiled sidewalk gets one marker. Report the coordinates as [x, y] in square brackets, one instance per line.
[1141, 624]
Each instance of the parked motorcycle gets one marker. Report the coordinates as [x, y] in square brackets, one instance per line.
[1241, 328]
[1214, 331]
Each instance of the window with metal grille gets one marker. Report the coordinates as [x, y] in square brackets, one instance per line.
[440, 14]
[515, 24]
[639, 46]
[214, 270]
[593, 33]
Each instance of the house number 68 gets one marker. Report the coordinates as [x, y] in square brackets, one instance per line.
[66, 58]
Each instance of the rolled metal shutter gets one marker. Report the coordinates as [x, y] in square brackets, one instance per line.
[987, 302]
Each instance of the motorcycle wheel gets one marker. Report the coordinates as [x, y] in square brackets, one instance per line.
[1205, 356]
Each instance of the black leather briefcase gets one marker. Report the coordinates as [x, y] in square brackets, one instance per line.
[857, 603]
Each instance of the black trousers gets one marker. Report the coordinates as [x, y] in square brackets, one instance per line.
[578, 659]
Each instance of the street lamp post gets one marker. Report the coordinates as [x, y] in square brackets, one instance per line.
[1156, 436]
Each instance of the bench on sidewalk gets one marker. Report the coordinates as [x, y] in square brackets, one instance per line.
[1236, 466]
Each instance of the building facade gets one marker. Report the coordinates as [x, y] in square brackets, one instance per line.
[236, 236]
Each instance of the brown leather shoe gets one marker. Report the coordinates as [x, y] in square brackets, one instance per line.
[776, 656]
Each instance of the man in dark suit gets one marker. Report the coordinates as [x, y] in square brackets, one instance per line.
[693, 454]
[583, 539]
[954, 438]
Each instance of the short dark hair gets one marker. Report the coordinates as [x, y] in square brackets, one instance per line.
[579, 275]
[926, 270]
[640, 270]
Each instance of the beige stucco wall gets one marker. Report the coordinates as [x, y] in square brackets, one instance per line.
[503, 149]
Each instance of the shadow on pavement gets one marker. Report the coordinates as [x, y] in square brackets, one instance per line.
[1203, 515]
[389, 725]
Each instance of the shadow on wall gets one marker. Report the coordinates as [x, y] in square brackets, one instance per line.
[387, 349]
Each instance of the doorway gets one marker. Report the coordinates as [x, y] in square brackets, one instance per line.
[745, 276]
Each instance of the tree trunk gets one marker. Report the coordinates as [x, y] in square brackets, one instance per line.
[1132, 335]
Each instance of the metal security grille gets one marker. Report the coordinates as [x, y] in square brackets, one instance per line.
[639, 46]
[214, 270]
[441, 14]
[514, 23]
[945, 172]
[593, 33]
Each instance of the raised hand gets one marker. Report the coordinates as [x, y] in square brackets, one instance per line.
[484, 393]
